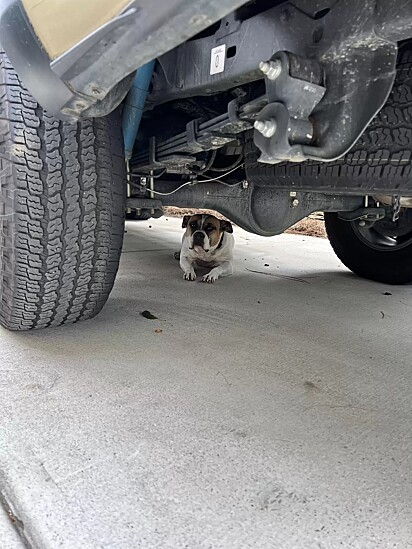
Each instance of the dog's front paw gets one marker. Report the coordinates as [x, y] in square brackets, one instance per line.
[189, 275]
[210, 278]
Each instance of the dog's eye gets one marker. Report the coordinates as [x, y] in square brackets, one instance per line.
[209, 228]
[193, 225]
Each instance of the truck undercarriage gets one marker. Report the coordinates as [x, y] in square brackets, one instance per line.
[267, 136]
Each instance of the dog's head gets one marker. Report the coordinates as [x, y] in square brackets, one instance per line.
[205, 231]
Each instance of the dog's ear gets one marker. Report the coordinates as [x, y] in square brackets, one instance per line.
[185, 221]
[226, 226]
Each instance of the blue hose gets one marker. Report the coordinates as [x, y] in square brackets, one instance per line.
[134, 106]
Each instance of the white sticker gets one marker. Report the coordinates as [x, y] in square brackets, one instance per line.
[217, 59]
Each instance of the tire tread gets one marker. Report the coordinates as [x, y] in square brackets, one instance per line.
[61, 211]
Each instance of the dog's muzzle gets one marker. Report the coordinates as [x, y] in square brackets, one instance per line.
[198, 238]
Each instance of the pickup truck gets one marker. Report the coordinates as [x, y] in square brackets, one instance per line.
[263, 110]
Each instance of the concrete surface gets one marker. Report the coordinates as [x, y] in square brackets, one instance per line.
[266, 411]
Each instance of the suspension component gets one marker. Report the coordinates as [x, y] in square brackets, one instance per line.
[396, 208]
[293, 90]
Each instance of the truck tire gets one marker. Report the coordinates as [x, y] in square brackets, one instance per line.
[373, 252]
[62, 205]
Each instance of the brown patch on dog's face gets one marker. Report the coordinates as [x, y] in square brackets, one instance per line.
[211, 226]
[192, 222]
[185, 220]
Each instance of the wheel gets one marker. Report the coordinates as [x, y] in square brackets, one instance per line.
[380, 251]
[144, 215]
[61, 211]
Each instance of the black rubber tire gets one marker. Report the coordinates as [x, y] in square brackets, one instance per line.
[134, 216]
[390, 267]
[382, 155]
[61, 211]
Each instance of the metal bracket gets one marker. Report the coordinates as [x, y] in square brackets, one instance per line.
[192, 131]
[153, 163]
[298, 84]
[155, 207]
[293, 89]
[359, 61]
[365, 214]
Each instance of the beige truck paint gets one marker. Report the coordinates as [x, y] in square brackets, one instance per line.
[61, 24]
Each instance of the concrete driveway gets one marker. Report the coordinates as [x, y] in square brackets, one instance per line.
[270, 410]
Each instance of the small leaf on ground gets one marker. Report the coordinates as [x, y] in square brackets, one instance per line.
[148, 315]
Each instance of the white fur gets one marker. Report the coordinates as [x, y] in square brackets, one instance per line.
[220, 259]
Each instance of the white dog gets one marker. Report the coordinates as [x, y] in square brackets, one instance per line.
[207, 242]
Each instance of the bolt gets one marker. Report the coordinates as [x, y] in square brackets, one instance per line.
[271, 69]
[266, 127]
[245, 184]
[295, 203]
[259, 125]
[79, 105]
[362, 223]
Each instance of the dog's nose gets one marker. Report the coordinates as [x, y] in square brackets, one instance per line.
[198, 236]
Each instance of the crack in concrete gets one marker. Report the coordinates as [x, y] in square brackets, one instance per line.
[17, 523]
